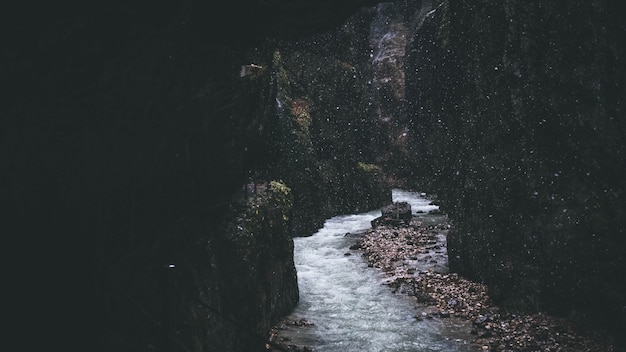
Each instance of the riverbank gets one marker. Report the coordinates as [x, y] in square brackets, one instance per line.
[415, 260]
[344, 307]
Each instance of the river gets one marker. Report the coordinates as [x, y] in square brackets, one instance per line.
[350, 308]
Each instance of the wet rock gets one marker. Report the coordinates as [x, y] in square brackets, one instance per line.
[277, 343]
[397, 214]
[284, 347]
[355, 246]
[444, 314]
[302, 322]
[398, 210]
[424, 297]
[357, 235]
[480, 320]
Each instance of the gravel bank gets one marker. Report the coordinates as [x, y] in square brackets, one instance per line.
[415, 259]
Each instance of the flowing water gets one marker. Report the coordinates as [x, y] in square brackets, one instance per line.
[346, 301]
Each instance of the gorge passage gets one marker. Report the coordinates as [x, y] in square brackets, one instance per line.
[346, 302]
[155, 134]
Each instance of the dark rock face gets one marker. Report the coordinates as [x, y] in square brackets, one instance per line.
[515, 124]
[388, 41]
[254, 276]
[126, 127]
[325, 128]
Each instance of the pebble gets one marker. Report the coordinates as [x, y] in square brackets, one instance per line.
[402, 252]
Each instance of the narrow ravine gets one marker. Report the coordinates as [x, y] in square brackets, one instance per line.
[347, 303]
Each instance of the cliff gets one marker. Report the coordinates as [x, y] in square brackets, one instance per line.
[515, 122]
[325, 127]
[128, 138]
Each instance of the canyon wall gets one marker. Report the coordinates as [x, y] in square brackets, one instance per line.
[516, 122]
[141, 159]
[326, 127]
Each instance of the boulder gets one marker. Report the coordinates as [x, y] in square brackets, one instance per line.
[397, 214]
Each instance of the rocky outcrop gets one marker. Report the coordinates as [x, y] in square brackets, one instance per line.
[397, 214]
[514, 112]
[127, 127]
[324, 128]
[249, 279]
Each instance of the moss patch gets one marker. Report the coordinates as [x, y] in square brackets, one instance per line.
[369, 167]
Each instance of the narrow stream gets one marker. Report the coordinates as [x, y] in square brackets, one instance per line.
[346, 301]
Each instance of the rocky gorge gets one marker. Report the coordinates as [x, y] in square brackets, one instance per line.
[183, 146]
[528, 125]
[413, 256]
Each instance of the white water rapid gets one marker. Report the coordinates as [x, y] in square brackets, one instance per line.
[346, 301]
